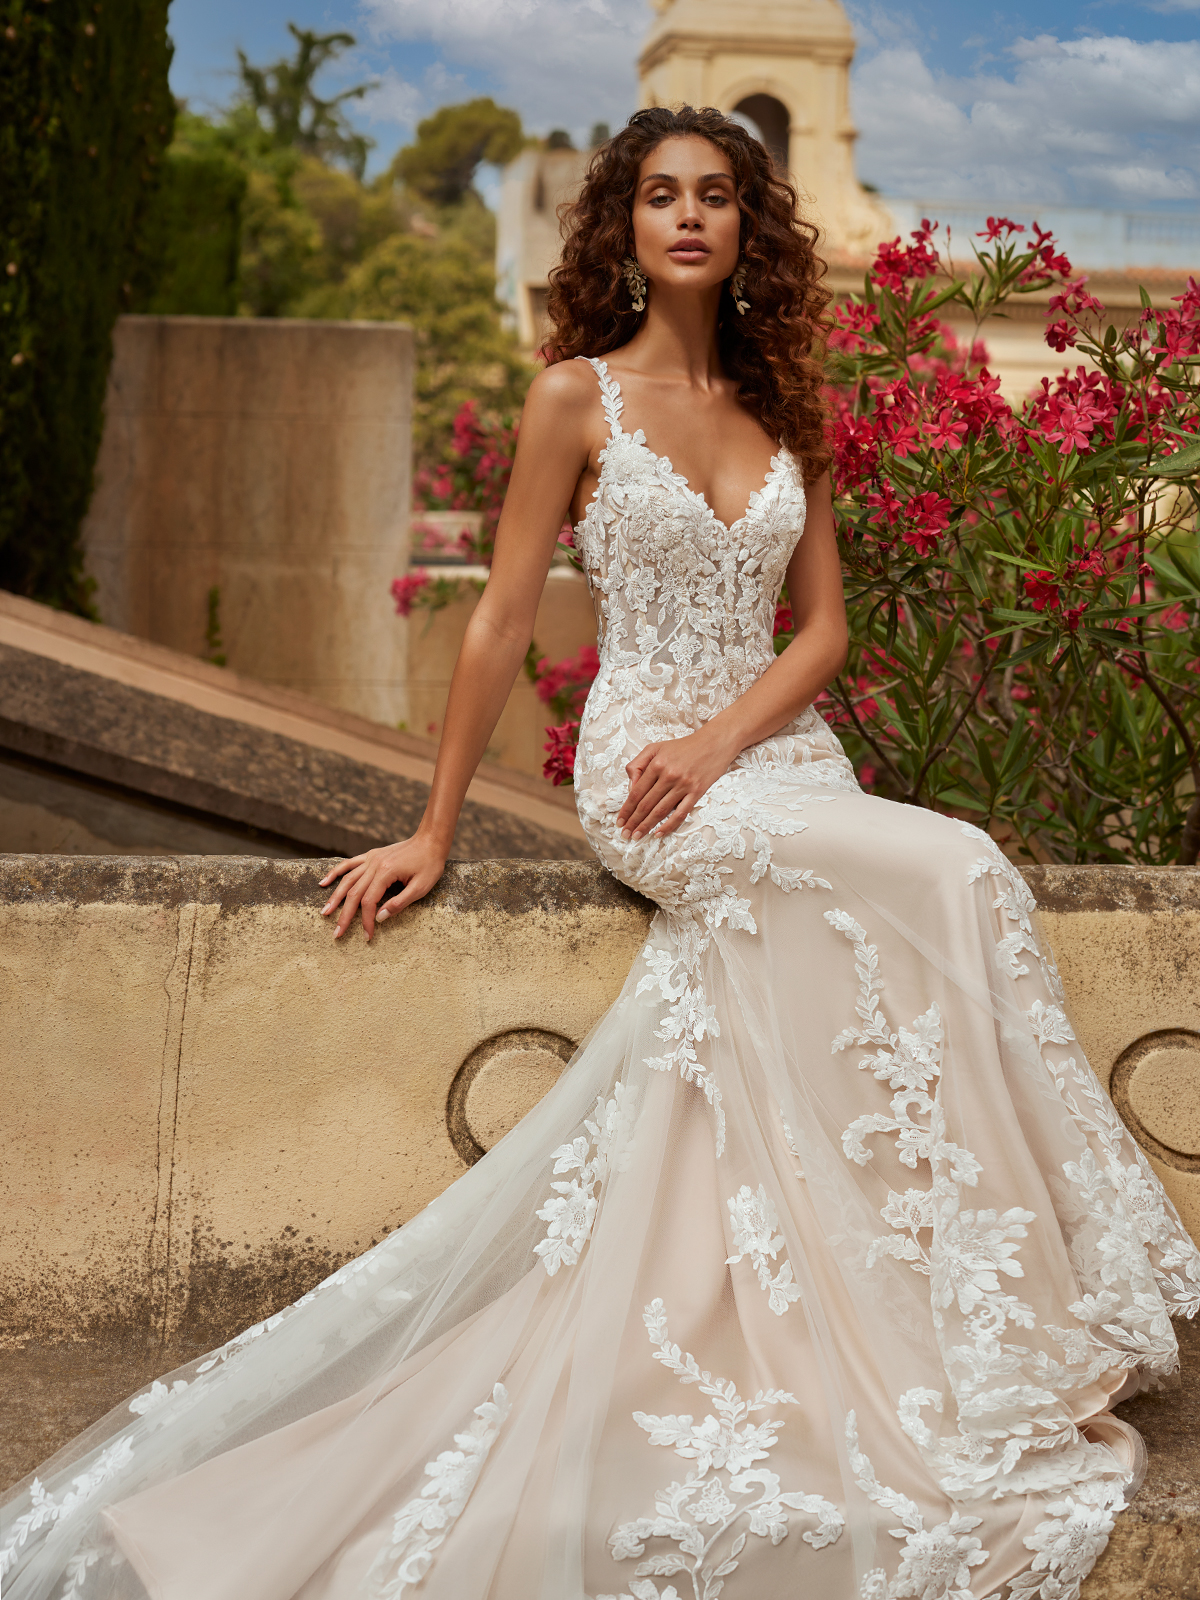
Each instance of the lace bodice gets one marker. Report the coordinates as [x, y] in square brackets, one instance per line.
[686, 603]
[686, 607]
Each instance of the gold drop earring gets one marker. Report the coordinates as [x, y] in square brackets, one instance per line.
[737, 288]
[635, 280]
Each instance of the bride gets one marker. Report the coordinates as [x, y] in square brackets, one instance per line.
[820, 1269]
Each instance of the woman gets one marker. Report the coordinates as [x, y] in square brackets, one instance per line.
[820, 1269]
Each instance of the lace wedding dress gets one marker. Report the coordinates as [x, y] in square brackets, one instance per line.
[816, 1273]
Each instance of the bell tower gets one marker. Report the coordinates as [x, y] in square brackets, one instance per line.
[784, 64]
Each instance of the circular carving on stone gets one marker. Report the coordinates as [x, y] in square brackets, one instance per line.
[1155, 1085]
[498, 1083]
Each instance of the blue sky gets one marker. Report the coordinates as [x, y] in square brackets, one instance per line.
[1093, 102]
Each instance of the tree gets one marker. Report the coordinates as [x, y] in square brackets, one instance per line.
[85, 117]
[289, 110]
[448, 294]
[441, 165]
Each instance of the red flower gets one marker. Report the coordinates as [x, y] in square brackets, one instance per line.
[783, 619]
[884, 501]
[405, 590]
[895, 263]
[1074, 299]
[1059, 335]
[559, 765]
[926, 516]
[947, 432]
[998, 225]
[1071, 617]
[1072, 427]
[1042, 590]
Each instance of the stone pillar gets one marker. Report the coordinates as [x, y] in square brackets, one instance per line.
[269, 461]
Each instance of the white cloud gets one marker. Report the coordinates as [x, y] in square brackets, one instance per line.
[401, 104]
[561, 63]
[1094, 121]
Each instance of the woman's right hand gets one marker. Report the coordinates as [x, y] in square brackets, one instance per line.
[363, 881]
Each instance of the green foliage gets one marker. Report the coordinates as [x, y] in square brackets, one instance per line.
[293, 116]
[85, 116]
[447, 292]
[197, 225]
[450, 145]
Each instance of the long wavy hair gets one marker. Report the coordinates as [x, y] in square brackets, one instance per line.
[774, 350]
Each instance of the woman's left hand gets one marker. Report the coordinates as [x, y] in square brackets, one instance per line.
[669, 778]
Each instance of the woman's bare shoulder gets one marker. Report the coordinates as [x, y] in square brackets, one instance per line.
[566, 383]
[563, 405]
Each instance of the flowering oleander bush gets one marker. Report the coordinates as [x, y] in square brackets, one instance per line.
[1023, 584]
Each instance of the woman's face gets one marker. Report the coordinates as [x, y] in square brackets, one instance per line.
[686, 220]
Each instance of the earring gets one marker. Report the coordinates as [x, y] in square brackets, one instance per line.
[635, 279]
[737, 288]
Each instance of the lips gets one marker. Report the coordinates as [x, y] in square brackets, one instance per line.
[693, 250]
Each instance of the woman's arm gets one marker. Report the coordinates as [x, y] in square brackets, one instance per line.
[669, 778]
[552, 452]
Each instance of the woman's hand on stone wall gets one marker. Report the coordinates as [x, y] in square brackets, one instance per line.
[364, 880]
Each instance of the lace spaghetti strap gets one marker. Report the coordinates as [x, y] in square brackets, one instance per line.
[610, 395]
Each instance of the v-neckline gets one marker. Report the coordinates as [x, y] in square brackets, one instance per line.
[638, 438]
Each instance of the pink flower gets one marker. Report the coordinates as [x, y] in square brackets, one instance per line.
[884, 502]
[895, 263]
[405, 590]
[1042, 590]
[1074, 299]
[926, 516]
[1061, 334]
[998, 225]
[947, 432]
[559, 766]
[1072, 428]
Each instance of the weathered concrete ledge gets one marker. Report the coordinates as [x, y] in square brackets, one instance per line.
[101, 752]
[210, 1104]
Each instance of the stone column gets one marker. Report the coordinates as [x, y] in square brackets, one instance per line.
[268, 461]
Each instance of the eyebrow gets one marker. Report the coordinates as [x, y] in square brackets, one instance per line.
[667, 177]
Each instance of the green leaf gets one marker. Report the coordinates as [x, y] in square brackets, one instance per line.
[1184, 463]
[941, 654]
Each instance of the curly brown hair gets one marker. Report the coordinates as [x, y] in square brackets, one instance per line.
[774, 350]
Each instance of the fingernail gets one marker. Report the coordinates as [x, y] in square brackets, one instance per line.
[625, 833]
[338, 934]
[382, 916]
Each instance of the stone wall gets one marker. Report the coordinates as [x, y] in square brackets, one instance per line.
[209, 1103]
[270, 460]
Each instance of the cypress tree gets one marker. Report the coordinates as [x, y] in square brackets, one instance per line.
[85, 117]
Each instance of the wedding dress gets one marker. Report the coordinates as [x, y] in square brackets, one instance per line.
[815, 1275]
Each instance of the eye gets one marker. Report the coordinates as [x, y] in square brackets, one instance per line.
[662, 198]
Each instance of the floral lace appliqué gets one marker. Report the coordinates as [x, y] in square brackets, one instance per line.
[755, 1221]
[571, 1209]
[722, 1489]
[420, 1527]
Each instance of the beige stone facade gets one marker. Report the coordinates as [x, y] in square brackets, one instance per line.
[269, 460]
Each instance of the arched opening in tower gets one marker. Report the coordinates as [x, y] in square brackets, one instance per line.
[767, 118]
